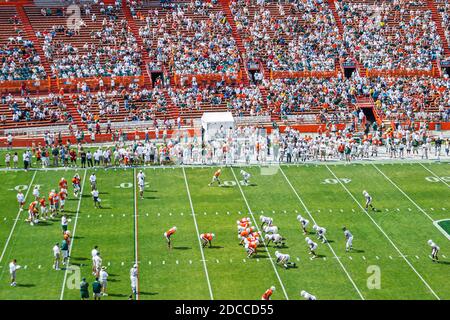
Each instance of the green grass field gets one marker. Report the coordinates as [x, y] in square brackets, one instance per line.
[412, 199]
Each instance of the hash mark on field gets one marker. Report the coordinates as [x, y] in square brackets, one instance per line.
[364, 258]
[217, 260]
[257, 260]
[350, 257]
[190, 261]
[112, 215]
[432, 209]
[181, 213]
[163, 262]
[100, 216]
[353, 210]
[231, 260]
[149, 262]
[204, 213]
[409, 209]
[244, 260]
[123, 263]
[390, 257]
[417, 257]
[398, 209]
[377, 257]
[89, 215]
[159, 214]
[228, 213]
[386, 209]
[217, 213]
[39, 266]
[146, 214]
[170, 214]
[444, 256]
[298, 259]
[176, 262]
[109, 263]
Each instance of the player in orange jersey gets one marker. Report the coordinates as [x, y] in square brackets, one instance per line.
[33, 213]
[168, 234]
[251, 248]
[62, 198]
[268, 293]
[216, 177]
[207, 238]
[51, 200]
[76, 185]
[63, 183]
[44, 209]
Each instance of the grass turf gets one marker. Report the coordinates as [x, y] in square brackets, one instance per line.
[392, 240]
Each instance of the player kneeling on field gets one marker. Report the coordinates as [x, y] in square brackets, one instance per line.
[206, 238]
[283, 260]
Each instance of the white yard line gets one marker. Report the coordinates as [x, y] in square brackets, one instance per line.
[398, 188]
[136, 252]
[197, 235]
[329, 245]
[263, 241]
[384, 233]
[17, 219]
[440, 179]
[73, 237]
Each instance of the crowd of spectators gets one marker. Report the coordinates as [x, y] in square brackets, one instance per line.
[398, 34]
[130, 103]
[19, 59]
[48, 108]
[110, 47]
[295, 36]
[239, 100]
[190, 38]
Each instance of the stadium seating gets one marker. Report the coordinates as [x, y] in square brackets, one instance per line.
[107, 66]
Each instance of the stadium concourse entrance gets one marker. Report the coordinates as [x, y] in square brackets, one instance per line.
[370, 116]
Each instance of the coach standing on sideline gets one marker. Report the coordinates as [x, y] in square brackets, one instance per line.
[26, 159]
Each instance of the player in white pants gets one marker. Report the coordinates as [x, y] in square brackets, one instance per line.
[349, 239]
[266, 221]
[245, 177]
[303, 223]
[275, 238]
[307, 295]
[434, 250]
[312, 247]
[320, 232]
[283, 259]
[368, 201]
[133, 279]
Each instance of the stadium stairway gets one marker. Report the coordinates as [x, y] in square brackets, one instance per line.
[437, 20]
[132, 25]
[226, 9]
[172, 111]
[359, 67]
[74, 112]
[29, 31]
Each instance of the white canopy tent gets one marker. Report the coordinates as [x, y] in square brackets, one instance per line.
[213, 121]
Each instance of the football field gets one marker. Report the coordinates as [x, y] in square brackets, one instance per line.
[390, 259]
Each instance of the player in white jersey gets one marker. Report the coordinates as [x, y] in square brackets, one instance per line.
[103, 277]
[272, 229]
[275, 238]
[246, 177]
[349, 239]
[307, 295]
[320, 232]
[133, 279]
[56, 256]
[97, 265]
[141, 183]
[94, 253]
[368, 200]
[303, 223]
[21, 200]
[312, 247]
[93, 181]
[283, 259]
[265, 220]
[13, 267]
[36, 193]
[434, 250]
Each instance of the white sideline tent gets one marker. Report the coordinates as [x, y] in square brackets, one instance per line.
[212, 121]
